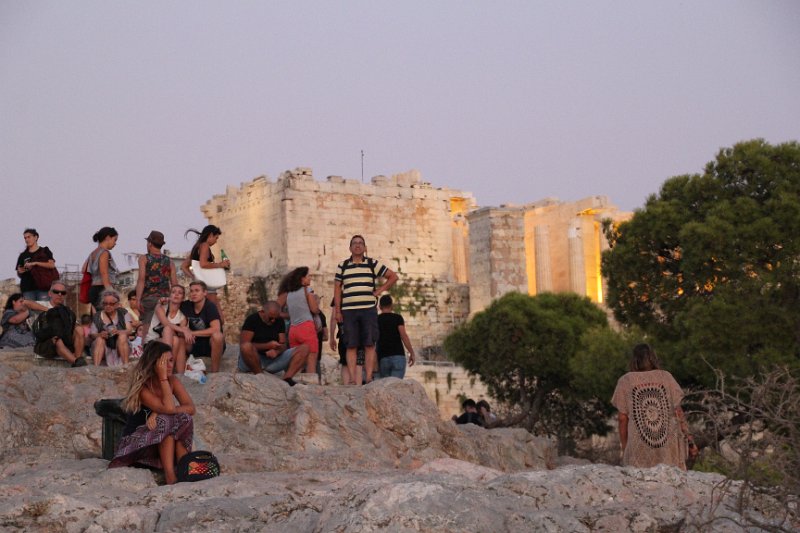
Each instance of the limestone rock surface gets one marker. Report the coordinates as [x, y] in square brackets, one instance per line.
[317, 458]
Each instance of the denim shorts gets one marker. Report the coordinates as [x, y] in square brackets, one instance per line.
[273, 366]
[393, 366]
[360, 327]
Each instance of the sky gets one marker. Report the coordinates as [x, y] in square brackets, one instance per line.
[134, 114]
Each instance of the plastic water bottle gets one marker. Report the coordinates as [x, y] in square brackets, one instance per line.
[196, 375]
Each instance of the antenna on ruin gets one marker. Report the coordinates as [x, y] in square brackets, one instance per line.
[362, 166]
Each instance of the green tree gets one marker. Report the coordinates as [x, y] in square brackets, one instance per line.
[521, 346]
[709, 267]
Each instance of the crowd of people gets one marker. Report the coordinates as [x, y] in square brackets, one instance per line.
[163, 325]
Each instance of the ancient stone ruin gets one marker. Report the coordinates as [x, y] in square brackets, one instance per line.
[453, 258]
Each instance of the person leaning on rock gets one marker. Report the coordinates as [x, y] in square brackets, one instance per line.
[355, 300]
[59, 335]
[262, 345]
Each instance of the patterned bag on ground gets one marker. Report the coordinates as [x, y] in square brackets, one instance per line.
[197, 466]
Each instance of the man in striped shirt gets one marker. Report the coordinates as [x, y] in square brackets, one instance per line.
[355, 300]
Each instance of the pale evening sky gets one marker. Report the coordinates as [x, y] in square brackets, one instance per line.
[133, 114]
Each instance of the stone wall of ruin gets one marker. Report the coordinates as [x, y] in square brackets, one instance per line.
[548, 246]
[419, 231]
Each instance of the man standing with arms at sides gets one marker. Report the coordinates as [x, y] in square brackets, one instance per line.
[355, 300]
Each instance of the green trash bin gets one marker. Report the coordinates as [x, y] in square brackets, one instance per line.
[114, 418]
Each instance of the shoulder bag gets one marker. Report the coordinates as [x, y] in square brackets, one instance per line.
[214, 278]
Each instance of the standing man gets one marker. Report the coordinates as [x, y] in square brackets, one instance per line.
[391, 340]
[156, 277]
[355, 299]
[203, 335]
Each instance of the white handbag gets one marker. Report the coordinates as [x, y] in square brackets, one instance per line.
[214, 278]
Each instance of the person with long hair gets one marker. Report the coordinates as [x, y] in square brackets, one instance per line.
[201, 252]
[295, 293]
[16, 332]
[160, 428]
[101, 265]
[33, 257]
[166, 324]
[652, 427]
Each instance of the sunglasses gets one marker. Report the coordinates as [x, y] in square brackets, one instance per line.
[62, 293]
[109, 303]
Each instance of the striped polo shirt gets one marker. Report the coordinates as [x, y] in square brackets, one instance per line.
[358, 282]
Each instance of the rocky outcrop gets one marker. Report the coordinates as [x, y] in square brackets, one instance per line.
[318, 458]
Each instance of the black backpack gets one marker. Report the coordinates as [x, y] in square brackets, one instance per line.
[55, 322]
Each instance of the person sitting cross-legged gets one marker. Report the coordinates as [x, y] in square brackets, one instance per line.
[262, 345]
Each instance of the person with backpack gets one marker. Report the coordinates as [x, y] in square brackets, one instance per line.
[56, 330]
[36, 268]
[355, 300]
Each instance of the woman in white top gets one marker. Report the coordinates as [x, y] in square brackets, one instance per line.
[165, 324]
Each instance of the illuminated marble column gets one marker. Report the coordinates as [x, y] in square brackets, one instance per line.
[541, 243]
[577, 271]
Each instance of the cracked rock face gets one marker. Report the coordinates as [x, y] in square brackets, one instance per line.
[317, 458]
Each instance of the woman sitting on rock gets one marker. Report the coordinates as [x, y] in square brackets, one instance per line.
[111, 328]
[159, 429]
[166, 323]
[16, 332]
[652, 428]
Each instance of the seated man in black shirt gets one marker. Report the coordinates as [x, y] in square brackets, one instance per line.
[57, 333]
[262, 345]
[203, 334]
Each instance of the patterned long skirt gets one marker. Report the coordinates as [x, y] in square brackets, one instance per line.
[141, 446]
